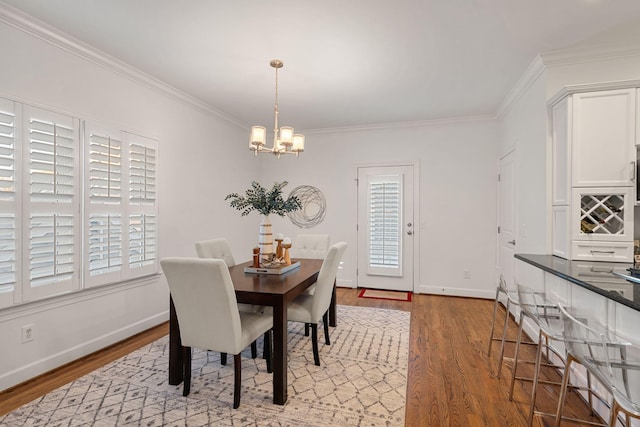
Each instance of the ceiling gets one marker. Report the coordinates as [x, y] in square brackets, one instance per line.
[346, 63]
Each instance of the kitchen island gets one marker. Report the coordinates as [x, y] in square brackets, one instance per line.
[606, 289]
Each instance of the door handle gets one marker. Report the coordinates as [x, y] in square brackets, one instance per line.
[512, 242]
[409, 232]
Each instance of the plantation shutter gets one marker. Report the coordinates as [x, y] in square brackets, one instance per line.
[52, 206]
[143, 204]
[385, 227]
[9, 216]
[104, 234]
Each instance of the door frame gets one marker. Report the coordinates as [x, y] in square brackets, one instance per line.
[417, 220]
[499, 263]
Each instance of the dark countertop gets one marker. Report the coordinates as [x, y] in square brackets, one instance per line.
[595, 276]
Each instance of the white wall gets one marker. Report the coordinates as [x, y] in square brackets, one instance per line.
[523, 128]
[457, 167]
[199, 156]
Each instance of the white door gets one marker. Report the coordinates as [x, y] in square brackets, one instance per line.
[507, 219]
[385, 227]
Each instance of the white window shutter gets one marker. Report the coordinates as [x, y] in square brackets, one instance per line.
[142, 171]
[104, 169]
[52, 204]
[104, 208]
[143, 205]
[385, 227]
[9, 203]
[143, 240]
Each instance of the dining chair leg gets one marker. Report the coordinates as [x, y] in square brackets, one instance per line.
[223, 358]
[264, 343]
[186, 357]
[515, 356]
[314, 343]
[237, 379]
[325, 322]
[254, 350]
[306, 329]
[493, 323]
[267, 353]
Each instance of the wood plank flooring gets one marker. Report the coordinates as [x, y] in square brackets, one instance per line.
[451, 381]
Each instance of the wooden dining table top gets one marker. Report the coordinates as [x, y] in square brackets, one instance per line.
[246, 284]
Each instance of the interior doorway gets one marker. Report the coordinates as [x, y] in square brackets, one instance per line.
[507, 218]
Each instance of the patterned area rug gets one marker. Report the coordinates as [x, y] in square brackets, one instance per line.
[362, 382]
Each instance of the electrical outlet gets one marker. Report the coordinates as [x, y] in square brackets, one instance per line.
[467, 274]
[27, 334]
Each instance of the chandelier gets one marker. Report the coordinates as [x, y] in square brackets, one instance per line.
[284, 140]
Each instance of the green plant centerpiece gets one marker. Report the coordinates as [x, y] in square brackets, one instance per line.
[266, 202]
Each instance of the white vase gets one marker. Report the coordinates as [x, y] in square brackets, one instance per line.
[265, 239]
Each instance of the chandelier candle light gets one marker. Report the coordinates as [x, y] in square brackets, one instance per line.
[284, 140]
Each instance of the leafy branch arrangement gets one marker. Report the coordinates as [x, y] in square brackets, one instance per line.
[266, 202]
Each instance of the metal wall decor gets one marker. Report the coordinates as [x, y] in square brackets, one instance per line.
[313, 204]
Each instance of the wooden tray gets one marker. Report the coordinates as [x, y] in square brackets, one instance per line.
[272, 270]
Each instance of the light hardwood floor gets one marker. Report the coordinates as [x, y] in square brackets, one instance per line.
[451, 381]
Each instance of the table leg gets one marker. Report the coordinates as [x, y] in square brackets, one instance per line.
[280, 352]
[176, 359]
[333, 319]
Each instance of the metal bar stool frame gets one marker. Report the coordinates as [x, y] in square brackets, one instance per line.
[598, 363]
[545, 313]
[512, 300]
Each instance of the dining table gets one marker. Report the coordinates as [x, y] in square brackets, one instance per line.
[274, 290]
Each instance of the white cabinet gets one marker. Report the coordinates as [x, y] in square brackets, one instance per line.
[603, 146]
[561, 225]
[593, 174]
[561, 139]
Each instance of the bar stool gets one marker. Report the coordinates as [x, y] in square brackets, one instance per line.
[606, 356]
[511, 300]
[544, 311]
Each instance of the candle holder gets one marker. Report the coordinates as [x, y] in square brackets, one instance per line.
[256, 257]
[279, 253]
[287, 259]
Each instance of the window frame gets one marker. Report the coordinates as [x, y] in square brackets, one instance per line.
[80, 209]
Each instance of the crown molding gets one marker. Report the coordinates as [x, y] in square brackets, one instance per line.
[532, 73]
[396, 125]
[30, 25]
[592, 87]
[595, 53]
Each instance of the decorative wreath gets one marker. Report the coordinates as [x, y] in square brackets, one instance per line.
[313, 204]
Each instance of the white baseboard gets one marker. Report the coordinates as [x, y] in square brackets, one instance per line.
[26, 372]
[345, 283]
[458, 292]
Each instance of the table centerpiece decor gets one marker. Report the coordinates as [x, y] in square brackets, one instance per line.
[266, 202]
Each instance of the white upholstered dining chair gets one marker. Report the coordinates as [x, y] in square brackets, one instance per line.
[310, 246]
[220, 249]
[208, 315]
[309, 309]
[217, 249]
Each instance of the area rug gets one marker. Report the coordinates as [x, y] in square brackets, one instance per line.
[362, 381]
[389, 295]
